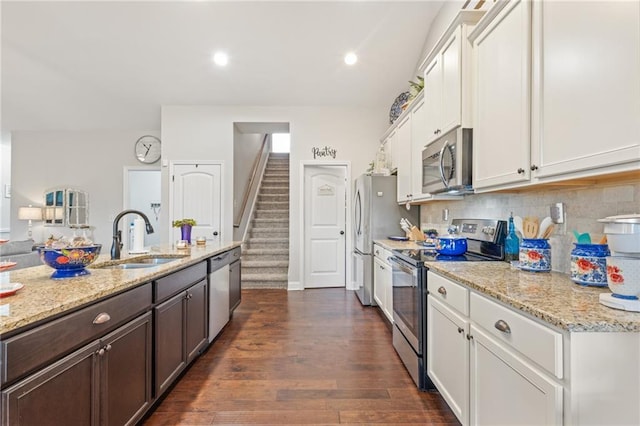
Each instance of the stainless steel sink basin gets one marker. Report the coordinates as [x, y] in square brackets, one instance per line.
[134, 263]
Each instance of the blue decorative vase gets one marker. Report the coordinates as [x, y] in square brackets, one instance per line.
[589, 264]
[535, 255]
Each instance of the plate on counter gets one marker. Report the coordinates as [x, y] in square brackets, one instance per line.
[398, 238]
[7, 265]
[9, 289]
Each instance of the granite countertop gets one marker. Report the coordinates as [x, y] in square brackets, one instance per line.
[398, 245]
[42, 297]
[551, 297]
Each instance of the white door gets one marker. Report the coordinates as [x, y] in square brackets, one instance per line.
[324, 226]
[197, 195]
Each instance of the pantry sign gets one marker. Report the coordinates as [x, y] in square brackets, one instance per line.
[327, 151]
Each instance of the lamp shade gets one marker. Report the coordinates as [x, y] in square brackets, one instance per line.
[30, 213]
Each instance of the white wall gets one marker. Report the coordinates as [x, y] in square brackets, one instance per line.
[206, 133]
[5, 179]
[246, 147]
[92, 161]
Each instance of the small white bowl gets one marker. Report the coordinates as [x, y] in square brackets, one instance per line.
[623, 275]
[624, 243]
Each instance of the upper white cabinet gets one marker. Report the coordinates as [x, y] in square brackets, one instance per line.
[447, 78]
[418, 141]
[402, 156]
[501, 64]
[586, 86]
[556, 92]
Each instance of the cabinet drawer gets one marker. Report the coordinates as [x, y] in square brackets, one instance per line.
[537, 342]
[29, 350]
[218, 261]
[381, 253]
[174, 283]
[448, 292]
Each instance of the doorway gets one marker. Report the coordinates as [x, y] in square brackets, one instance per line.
[142, 192]
[324, 224]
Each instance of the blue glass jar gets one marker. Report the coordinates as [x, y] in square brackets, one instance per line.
[589, 264]
[535, 255]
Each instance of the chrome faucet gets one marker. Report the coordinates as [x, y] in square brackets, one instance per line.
[116, 246]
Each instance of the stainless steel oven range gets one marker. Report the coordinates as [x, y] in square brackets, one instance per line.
[485, 241]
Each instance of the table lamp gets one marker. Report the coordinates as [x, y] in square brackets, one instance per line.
[30, 213]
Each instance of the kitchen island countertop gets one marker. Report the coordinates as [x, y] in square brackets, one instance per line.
[551, 297]
[43, 298]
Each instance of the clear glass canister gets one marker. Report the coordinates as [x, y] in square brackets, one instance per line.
[589, 264]
[535, 255]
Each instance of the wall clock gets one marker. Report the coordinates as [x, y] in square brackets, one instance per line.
[148, 149]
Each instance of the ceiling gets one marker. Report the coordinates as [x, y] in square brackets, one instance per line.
[87, 65]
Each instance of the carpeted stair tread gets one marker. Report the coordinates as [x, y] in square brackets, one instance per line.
[264, 277]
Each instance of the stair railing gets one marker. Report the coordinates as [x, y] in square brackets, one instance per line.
[242, 217]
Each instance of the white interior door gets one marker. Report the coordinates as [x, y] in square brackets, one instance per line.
[325, 212]
[197, 195]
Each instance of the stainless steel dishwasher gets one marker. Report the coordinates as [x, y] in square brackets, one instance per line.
[218, 293]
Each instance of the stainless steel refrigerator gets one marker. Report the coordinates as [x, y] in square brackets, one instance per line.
[376, 215]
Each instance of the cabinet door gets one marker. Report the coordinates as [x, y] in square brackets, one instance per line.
[587, 65]
[433, 99]
[66, 392]
[235, 286]
[505, 390]
[126, 373]
[379, 294]
[196, 324]
[501, 139]
[418, 141]
[448, 356]
[170, 340]
[451, 83]
[402, 156]
[388, 148]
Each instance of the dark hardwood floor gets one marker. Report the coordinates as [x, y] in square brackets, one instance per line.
[301, 357]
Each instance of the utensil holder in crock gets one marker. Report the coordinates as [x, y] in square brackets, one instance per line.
[535, 255]
[589, 264]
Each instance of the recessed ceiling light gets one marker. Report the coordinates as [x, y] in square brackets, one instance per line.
[221, 59]
[350, 58]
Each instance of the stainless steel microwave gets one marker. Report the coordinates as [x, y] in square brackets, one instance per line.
[447, 163]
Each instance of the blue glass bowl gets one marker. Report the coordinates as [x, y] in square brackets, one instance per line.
[69, 262]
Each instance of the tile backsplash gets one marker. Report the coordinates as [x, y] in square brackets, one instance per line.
[583, 207]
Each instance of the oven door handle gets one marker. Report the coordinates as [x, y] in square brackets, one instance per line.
[403, 268]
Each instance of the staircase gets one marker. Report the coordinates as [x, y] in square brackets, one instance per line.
[265, 253]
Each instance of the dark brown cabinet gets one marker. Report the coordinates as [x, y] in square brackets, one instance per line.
[180, 333]
[235, 286]
[106, 382]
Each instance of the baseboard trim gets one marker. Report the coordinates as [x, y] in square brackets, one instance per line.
[295, 285]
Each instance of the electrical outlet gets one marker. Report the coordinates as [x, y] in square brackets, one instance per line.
[557, 212]
[445, 215]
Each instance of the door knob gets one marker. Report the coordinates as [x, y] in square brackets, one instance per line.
[215, 233]
[341, 232]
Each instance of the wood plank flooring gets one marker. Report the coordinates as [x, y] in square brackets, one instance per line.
[301, 357]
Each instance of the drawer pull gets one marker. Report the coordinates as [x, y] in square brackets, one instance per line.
[102, 318]
[442, 291]
[502, 326]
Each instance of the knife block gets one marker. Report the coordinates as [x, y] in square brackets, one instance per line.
[415, 234]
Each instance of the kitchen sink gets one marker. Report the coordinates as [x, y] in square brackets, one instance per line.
[136, 263]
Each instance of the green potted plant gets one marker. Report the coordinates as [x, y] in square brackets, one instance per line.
[185, 226]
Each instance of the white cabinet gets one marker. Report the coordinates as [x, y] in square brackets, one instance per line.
[447, 78]
[448, 356]
[501, 63]
[382, 285]
[556, 92]
[418, 141]
[402, 157]
[505, 390]
[491, 364]
[388, 147]
[586, 89]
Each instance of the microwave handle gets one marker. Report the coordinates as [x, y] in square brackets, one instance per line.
[445, 181]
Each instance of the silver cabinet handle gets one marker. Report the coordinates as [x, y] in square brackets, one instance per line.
[101, 318]
[502, 326]
[108, 347]
[442, 291]
[101, 351]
